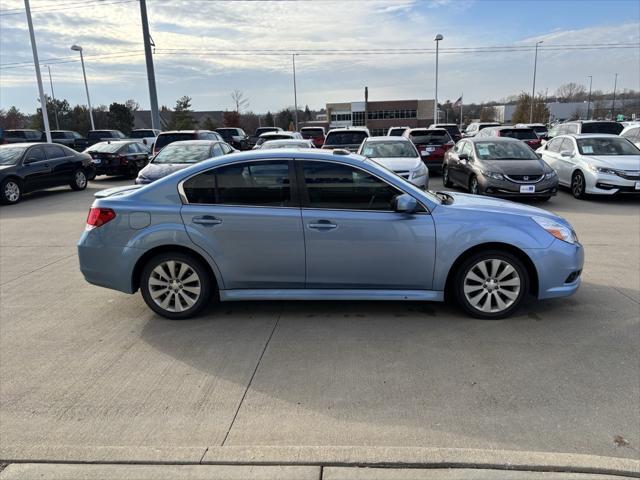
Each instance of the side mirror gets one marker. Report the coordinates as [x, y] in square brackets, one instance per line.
[29, 160]
[404, 203]
[566, 153]
[463, 157]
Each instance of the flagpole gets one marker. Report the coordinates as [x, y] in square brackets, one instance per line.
[461, 102]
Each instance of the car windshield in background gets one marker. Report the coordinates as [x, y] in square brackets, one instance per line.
[183, 154]
[10, 155]
[142, 133]
[166, 139]
[105, 147]
[430, 137]
[504, 151]
[613, 128]
[389, 150]
[396, 132]
[607, 146]
[278, 144]
[311, 132]
[539, 129]
[345, 138]
[99, 134]
[261, 130]
[520, 133]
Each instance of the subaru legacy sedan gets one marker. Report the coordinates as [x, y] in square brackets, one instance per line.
[321, 225]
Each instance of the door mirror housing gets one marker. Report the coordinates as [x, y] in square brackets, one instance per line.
[463, 157]
[566, 153]
[404, 203]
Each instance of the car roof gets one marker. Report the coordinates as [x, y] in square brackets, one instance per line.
[179, 131]
[122, 141]
[272, 134]
[387, 138]
[287, 140]
[492, 139]
[588, 135]
[589, 121]
[25, 144]
[427, 129]
[349, 129]
[194, 142]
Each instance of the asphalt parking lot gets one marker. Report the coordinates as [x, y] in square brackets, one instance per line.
[84, 368]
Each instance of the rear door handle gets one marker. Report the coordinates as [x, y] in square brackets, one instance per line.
[206, 220]
[323, 225]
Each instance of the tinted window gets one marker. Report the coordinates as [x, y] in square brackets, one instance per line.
[345, 138]
[58, 135]
[337, 186]
[602, 127]
[311, 132]
[520, 133]
[251, 183]
[55, 152]
[396, 132]
[98, 134]
[132, 148]
[430, 137]
[35, 155]
[167, 138]
[142, 133]
[33, 135]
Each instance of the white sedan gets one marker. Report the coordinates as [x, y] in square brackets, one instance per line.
[399, 155]
[594, 164]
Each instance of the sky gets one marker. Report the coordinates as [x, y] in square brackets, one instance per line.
[197, 43]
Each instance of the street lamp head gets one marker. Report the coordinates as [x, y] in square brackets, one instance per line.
[539, 42]
[438, 37]
[76, 48]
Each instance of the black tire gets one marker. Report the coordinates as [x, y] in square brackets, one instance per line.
[519, 274]
[177, 291]
[132, 172]
[474, 186]
[79, 180]
[578, 185]
[10, 191]
[445, 176]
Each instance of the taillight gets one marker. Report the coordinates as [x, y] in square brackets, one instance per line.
[98, 217]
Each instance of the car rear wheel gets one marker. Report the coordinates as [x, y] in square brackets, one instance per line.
[473, 186]
[79, 180]
[578, 185]
[491, 285]
[445, 177]
[10, 191]
[175, 285]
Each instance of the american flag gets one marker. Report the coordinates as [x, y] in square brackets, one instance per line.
[458, 102]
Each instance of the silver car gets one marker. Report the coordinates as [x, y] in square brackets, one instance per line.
[399, 155]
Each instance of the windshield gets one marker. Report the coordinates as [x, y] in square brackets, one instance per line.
[345, 138]
[311, 132]
[167, 138]
[10, 155]
[607, 146]
[261, 140]
[278, 144]
[396, 132]
[430, 137]
[183, 154]
[520, 133]
[142, 133]
[389, 150]
[504, 151]
[105, 147]
[613, 128]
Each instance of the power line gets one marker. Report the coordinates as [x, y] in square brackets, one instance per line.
[64, 6]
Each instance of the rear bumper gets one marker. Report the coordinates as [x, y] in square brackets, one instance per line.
[559, 268]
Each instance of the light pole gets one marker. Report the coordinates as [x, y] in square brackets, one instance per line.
[53, 97]
[295, 92]
[435, 102]
[151, 76]
[78, 48]
[533, 90]
[589, 98]
[613, 103]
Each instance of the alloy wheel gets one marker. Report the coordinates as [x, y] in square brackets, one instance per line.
[80, 179]
[577, 185]
[174, 286]
[11, 191]
[492, 285]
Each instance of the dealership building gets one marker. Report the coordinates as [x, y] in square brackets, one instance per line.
[379, 116]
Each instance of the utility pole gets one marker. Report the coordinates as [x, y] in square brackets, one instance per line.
[366, 106]
[533, 90]
[435, 101]
[589, 99]
[613, 103]
[151, 76]
[53, 97]
[43, 100]
[295, 92]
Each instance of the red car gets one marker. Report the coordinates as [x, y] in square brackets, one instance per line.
[526, 134]
[315, 134]
[432, 144]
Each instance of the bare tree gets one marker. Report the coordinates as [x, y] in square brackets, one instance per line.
[239, 100]
[571, 92]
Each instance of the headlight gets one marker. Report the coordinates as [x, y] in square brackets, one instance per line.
[494, 175]
[550, 174]
[557, 229]
[419, 173]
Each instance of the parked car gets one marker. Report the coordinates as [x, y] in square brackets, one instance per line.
[540, 129]
[96, 136]
[315, 134]
[70, 139]
[432, 144]
[120, 157]
[349, 230]
[452, 128]
[526, 134]
[282, 135]
[396, 131]
[287, 143]
[594, 164]
[27, 167]
[21, 135]
[345, 138]
[399, 155]
[585, 126]
[474, 127]
[499, 166]
[146, 135]
[632, 133]
[234, 137]
[165, 138]
[179, 155]
[259, 131]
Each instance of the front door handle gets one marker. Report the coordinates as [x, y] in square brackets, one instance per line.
[323, 225]
[206, 220]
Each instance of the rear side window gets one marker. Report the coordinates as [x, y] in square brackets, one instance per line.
[250, 183]
[54, 152]
[567, 145]
[613, 128]
[341, 187]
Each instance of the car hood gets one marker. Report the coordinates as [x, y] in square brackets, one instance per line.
[4, 168]
[514, 167]
[397, 164]
[620, 162]
[154, 171]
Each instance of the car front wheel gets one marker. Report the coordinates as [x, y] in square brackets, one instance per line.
[175, 285]
[445, 177]
[578, 185]
[473, 186]
[10, 191]
[491, 285]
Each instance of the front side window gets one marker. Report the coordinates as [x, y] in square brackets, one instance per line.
[342, 187]
[554, 145]
[261, 183]
[35, 155]
[567, 146]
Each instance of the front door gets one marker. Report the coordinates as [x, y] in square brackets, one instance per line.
[354, 239]
[246, 216]
[36, 170]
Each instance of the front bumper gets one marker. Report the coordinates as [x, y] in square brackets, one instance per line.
[559, 268]
[509, 189]
[603, 184]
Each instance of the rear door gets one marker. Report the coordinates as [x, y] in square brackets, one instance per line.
[247, 217]
[354, 239]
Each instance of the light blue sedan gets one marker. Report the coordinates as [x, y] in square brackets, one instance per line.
[325, 225]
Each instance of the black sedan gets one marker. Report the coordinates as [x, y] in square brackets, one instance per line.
[179, 155]
[121, 157]
[499, 166]
[26, 167]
